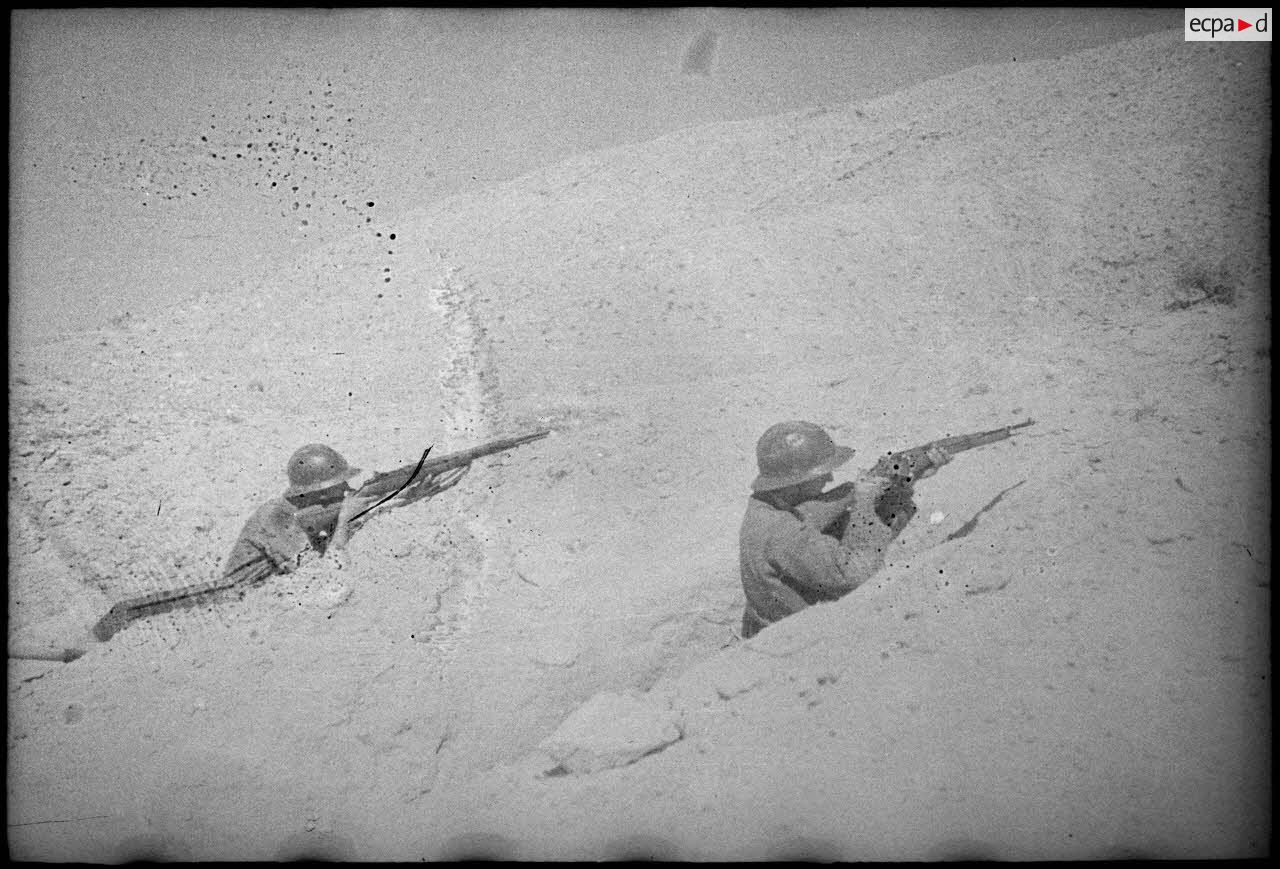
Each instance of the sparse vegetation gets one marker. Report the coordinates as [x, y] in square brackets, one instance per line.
[1197, 284]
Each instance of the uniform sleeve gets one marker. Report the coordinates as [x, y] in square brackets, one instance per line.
[815, 562]
[829, 567]
[269, 543]
[247, 564]
[865, 541]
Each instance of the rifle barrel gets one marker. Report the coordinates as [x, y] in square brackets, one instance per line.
[910, 463]
[466, 457]
[388, 481]
[982, 438]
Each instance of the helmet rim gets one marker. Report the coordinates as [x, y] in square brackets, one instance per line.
[306, 489]
[794, 452]
[302, 464]
[766, 482]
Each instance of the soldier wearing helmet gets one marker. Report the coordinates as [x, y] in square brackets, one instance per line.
[318, 510]
[800, 545]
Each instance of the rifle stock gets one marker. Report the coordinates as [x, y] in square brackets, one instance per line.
[126, 611]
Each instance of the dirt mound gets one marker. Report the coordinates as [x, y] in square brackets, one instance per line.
[1084, 670]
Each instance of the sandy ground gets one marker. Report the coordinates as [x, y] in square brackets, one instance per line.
[1084, 674]
[156, 156]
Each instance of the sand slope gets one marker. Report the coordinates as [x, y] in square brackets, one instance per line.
[1081, 241]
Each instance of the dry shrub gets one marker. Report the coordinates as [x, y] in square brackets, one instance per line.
[1196, 284]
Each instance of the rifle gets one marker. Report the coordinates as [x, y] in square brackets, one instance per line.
[910, 464]
[126, 611]
[384, 483]
[417, 480]
[896, 504]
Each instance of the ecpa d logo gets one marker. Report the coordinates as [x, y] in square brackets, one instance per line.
[1228, 25]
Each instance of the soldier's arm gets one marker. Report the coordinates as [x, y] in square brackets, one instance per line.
[347, 523]
[814, 561]
[342, 528]
[866, 538]
[864, 544]
[937, 457]
[270, 542]
[835, 567]
[830, 507]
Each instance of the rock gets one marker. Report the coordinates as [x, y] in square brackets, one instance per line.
[611, 730]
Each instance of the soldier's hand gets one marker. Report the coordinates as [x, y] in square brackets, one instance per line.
[429, 487]
[827, 507]
[448, 479]
[937, 458]
[871, 486]
[352, 506]
[837, 493]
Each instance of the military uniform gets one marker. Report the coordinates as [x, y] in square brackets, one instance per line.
[788, 564]
[304, 517]
[800, 545]
[276, 536]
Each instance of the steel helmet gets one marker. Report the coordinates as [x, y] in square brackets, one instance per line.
[316, 467]
[792, 452]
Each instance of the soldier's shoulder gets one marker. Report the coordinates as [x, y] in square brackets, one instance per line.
[273, 506]
[763, 519]
[272, 514]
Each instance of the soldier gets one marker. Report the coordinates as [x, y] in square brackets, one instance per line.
[800, 545]
[318, 510]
